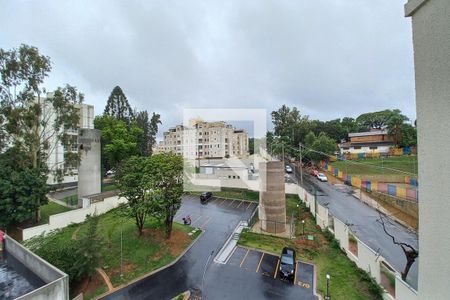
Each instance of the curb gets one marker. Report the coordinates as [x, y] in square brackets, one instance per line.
[152, 272]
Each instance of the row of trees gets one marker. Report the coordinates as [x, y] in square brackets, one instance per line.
[31, 125]
[125, 132]
[291, 129]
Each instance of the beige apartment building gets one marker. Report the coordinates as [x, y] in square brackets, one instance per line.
[205, 140]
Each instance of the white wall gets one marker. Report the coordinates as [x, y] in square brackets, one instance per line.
[74, 216]
[431, 32]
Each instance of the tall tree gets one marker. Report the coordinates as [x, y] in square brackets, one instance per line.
[130, 180]
[119, 141]
[395, 127]
[164, 173]
[144, 123]
[154, 121]
[150, 129]
[118, 106]
[34, 124]
[22, 188]
[378, 119]
[323, 146]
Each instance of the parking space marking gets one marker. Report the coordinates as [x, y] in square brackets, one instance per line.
[236, 258]
[296, 271]
[276, 269]
[240, 204]
[252, 260]
[249, 205]
[262, 256]
[248, 250]
[206, 222]
[231, 202]
[192, 223]
[222, 201]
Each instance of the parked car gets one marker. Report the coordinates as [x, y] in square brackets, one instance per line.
[322, 177]
[287, 264]
[110, 173]
[205, 196]
[314, 172]
[288, 169]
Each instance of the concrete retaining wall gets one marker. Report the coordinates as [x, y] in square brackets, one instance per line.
[74, 216]
[57, 282]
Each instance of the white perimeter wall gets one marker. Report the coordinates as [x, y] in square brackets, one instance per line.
[74, 216]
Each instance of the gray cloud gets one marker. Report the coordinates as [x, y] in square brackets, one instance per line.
[329, 58]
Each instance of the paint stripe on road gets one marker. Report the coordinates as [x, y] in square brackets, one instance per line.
[248, 250]
[262, 256]
[276, 269]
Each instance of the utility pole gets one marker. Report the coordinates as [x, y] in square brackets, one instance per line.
[282, 152]
[301, 164]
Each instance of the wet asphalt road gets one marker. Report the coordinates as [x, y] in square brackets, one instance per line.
[364, 224]
[222, 281]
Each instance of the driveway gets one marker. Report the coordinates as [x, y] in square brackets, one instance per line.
[362, 219]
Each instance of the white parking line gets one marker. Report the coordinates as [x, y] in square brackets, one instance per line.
[206, 222]
[192, 224]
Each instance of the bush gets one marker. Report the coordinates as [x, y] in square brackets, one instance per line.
[60, 253]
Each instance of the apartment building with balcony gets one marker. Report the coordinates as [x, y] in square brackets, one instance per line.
[202, 140]
[57, 152]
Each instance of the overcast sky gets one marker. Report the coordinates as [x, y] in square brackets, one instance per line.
[330, 58]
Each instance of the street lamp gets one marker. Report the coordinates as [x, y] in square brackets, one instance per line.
[303, 225]
[327, 297]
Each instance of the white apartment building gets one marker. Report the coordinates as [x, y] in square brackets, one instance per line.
[56, 152]
[205, 140]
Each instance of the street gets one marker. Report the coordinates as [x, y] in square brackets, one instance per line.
[362, 220]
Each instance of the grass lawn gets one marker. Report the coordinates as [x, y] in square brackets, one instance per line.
[108, 187]
[347, 280]
[49, 209]
[71, 200]
[141, 254]
[407, 163]
[235, 194]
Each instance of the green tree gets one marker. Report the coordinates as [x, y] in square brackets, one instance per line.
[34, 124]
[409, 135]
[310, 139]
[89, 250]
[22, 188]
[378, 119]
[395, 128]
[323, 146]
[130, 181]
[144, 123]
[154, 121]
[164, 177]
[119, 141]
[118, 107]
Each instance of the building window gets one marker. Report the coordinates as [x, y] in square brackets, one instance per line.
[356, 147]
[373, 148]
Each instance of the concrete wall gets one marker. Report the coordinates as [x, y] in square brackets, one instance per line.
[89, 169]
[74, 216]
[57, 282]
[322, 216]
[431, 32]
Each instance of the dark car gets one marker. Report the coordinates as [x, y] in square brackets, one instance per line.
[287, 264]
[205, 196]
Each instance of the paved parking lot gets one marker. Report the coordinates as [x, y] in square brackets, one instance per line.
[249, 278]
[267, 265]
[201, 218]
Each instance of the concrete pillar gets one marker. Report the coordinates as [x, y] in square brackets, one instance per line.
[431, 37]
[89, 168]
[272, 201]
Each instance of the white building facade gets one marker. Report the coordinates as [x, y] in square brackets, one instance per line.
[431, 39]
[56, 152]
[205, 140]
